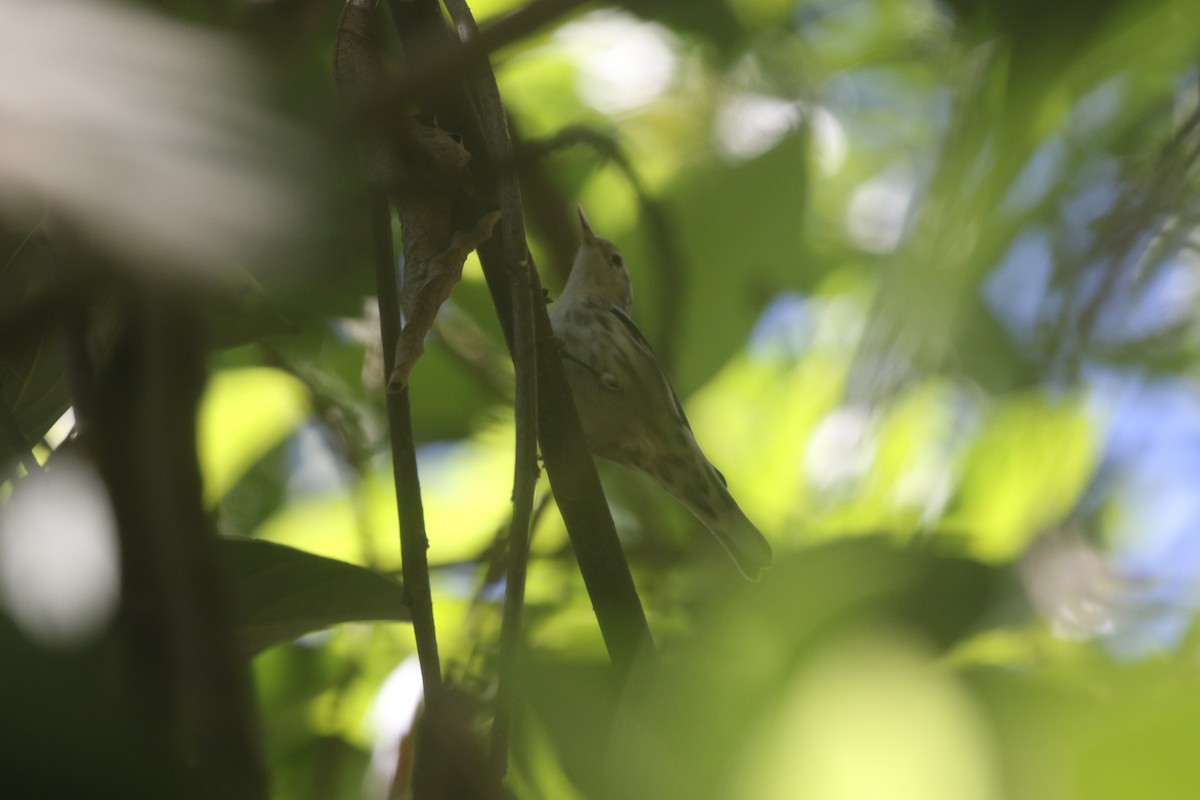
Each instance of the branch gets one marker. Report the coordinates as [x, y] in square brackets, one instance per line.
[518, 268]
[568, 461]
[524, 482]
[413, 541]
[545, 408]
[1139, 210]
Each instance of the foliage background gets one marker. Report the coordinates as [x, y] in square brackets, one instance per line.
[925, 274]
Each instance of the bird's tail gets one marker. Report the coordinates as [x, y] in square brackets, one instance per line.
[692, 479]
[709, 499]
[747, 546]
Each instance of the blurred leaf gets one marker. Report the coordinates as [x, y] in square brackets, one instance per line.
[326, 767]
[710, 19]
[874, 698]
[1146, 750]
[280, 593]
[239, 311]
[685, 727]
[737, 261]
[338, 525]
[755, 417]
[1025, 471]
[763, 12]
[257, 495]
[1081, 726]
[986, 354]
[576, 703]
[244, 414]
[33, 381]
[539, 91]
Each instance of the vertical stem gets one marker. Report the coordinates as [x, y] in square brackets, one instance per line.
[190, 686]
[525, 475]
[413, 541]
[568, 461]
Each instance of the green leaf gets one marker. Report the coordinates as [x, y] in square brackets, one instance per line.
[279, 593]
[736, 262]
[1026, 469]
[245, 413]
[718, 707]
[33, 383]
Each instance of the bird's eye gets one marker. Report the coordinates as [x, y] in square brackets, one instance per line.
[617, 261]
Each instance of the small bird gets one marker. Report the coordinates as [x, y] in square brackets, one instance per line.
[630, 412]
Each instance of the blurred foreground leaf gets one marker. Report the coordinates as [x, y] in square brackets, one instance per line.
[763, 668]
[244, 415]
[280, 593]
[33, 382]
[1025, 471]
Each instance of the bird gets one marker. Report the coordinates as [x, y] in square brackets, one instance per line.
[630, 413]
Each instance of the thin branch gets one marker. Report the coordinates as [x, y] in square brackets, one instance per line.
[357, 66]
[413, 541]
[524, 482]
[479, 115]
[476, 111]
[525, 469]
[568, 461]
[1140, 210]
[493, 560]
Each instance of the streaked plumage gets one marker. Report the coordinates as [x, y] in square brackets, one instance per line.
[630, 412]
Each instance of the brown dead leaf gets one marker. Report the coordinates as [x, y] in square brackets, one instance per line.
[427, 284]
[425, 172]
[357, 63]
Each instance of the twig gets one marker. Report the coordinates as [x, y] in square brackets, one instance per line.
[413, 541]
[568, 461]
[493, 559]
[1137, 212]
[524, 482]
[479, 115]
[525, 469]
[357, 66]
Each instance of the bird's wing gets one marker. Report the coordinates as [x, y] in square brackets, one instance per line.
[576, 323]
[646, 355]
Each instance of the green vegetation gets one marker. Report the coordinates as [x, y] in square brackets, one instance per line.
[925, 276]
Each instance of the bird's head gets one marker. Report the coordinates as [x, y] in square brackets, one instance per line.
[599, 270]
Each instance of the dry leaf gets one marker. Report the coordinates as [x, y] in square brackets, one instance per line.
[427, 284]
[424, 170]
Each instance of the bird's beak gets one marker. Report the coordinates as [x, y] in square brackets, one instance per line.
[588, 236]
